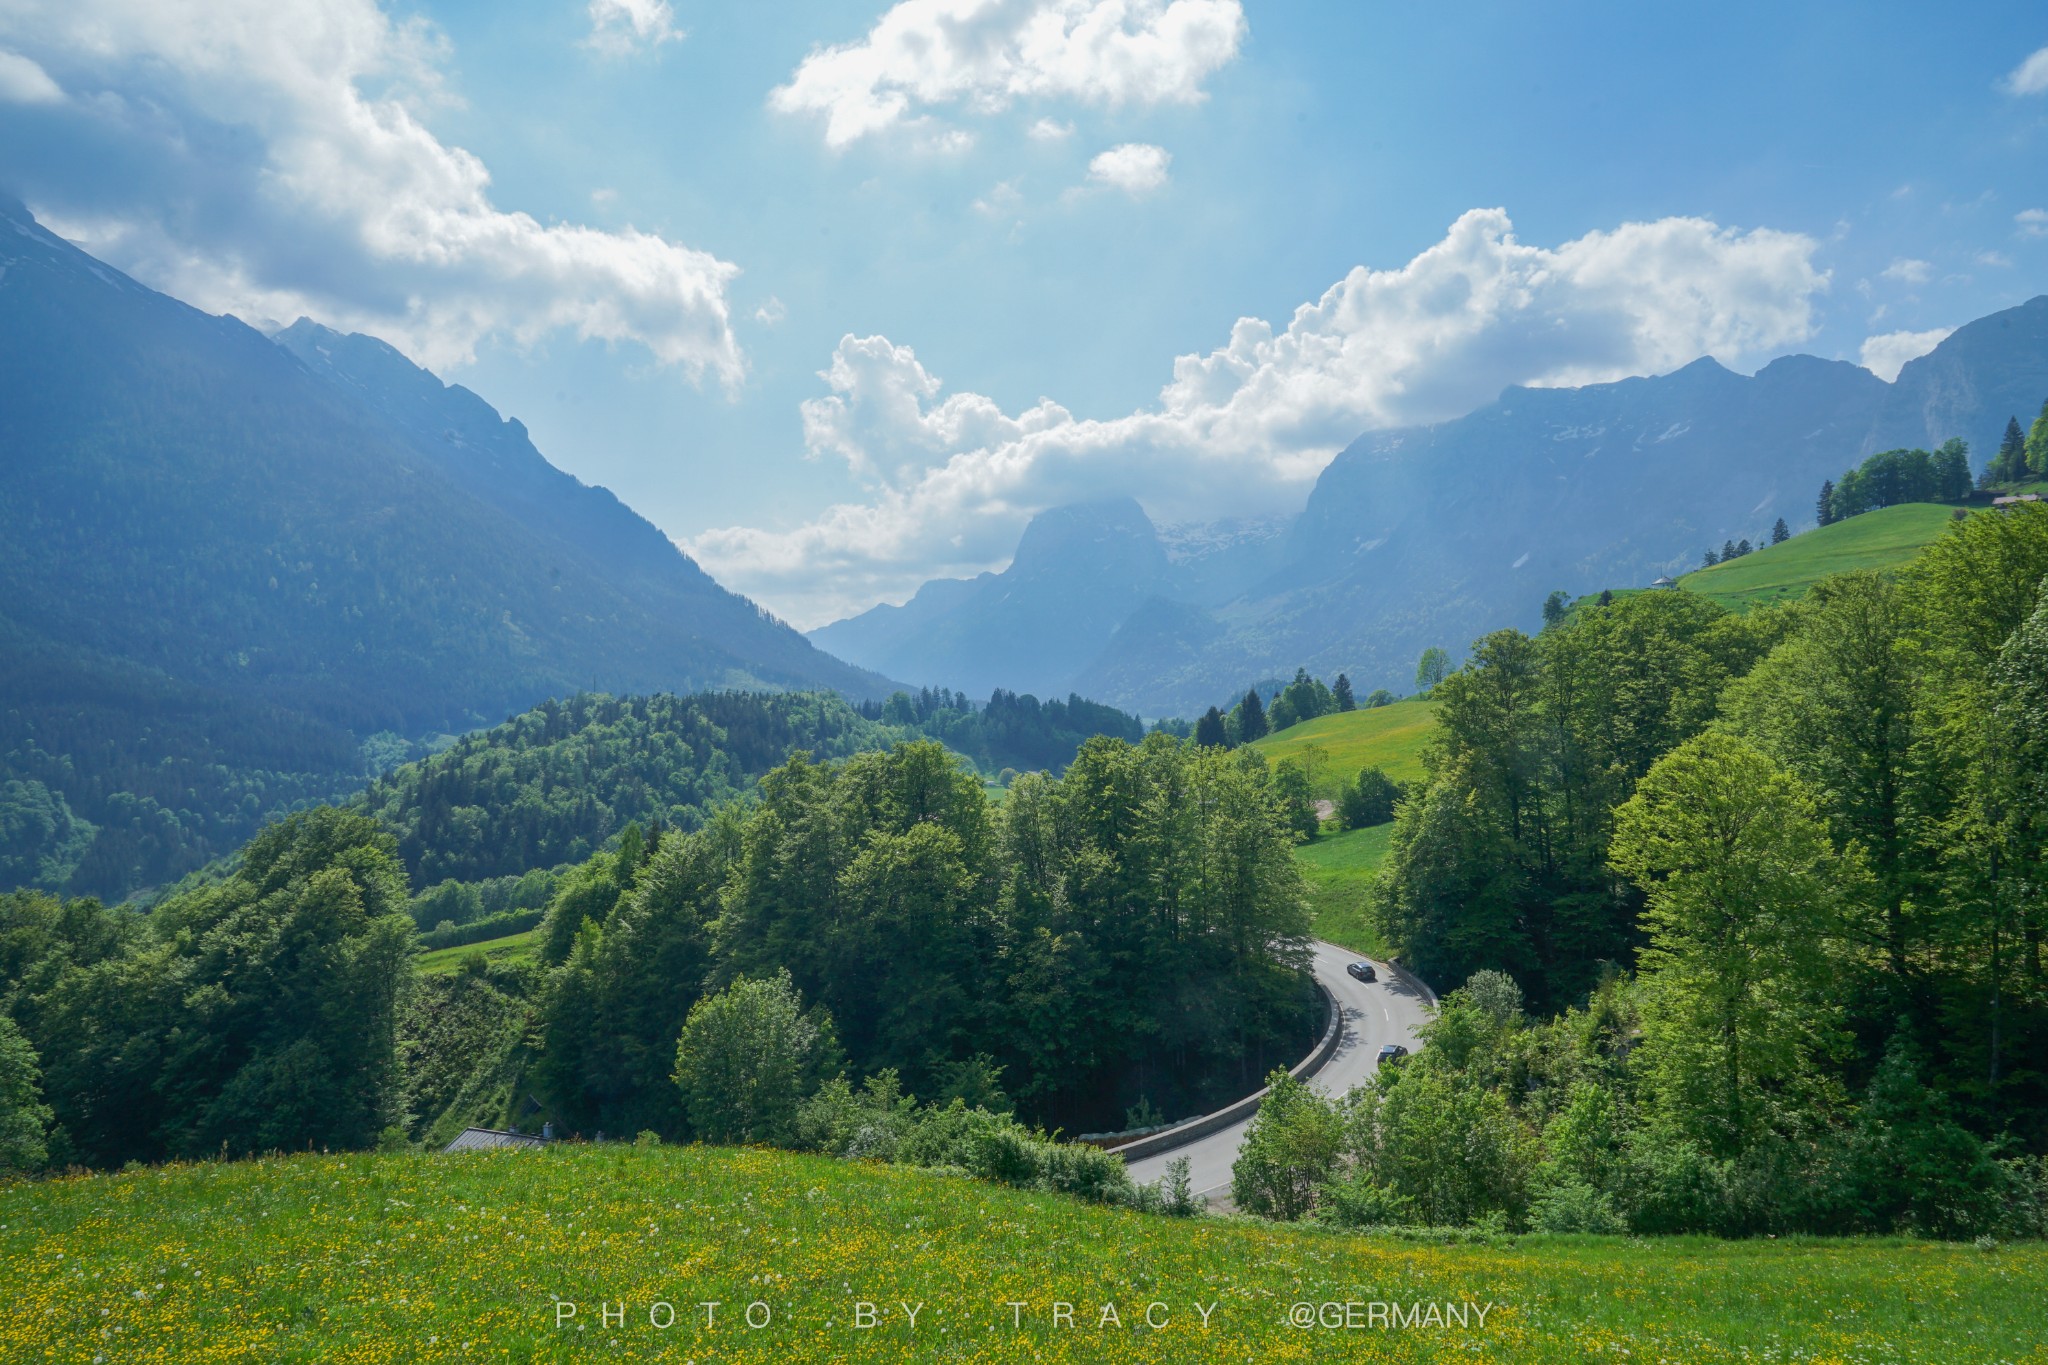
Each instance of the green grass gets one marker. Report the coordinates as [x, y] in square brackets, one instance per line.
[505, 951]
[1883, 539]
[1338, 869]
[428, 1258]
[1390, 737]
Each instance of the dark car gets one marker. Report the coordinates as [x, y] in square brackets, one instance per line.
[1363, 971]
[1392, 1052]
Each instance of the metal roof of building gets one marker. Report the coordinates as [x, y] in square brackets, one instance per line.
[482, 1139]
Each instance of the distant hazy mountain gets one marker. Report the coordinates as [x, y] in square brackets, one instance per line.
[1078, 574]
[292, 546]
[1434, 535]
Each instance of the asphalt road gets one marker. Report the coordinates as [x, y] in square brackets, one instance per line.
[1390, 1010]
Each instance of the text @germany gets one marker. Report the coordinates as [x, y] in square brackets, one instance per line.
[1158, 1315]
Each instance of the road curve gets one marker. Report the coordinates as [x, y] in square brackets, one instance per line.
[1390, 1010]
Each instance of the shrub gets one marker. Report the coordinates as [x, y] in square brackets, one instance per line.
[1575, 1207]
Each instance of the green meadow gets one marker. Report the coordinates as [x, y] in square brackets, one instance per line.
[504, 951]
[1338, 745]
[1338, 869]
[424, 1258]
[1882, 539]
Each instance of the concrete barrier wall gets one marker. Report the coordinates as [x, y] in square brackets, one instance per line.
[1194, 1130]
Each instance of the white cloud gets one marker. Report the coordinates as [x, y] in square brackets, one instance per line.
[1245, 428]
[771, 312]
[1050, 130]
[25, 82]
[1134, 167]
[2032, 222]
[1908, 271]
[323, 192]
[985, 55]
[1884, 356]
[2030, 77]
[620, 27]
[1003, 199]
[1994, 258]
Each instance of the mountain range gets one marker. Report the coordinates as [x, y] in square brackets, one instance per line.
[1435, 535]
[224, 553]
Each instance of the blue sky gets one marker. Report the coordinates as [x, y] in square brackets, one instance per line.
[998, 253]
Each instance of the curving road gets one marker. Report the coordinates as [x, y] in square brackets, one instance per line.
[1390, 1010]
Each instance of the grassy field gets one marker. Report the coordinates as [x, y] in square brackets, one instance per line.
[1338, 868]
[512, 948]
[428, 1258]
[1883, 539]
[1388, 736]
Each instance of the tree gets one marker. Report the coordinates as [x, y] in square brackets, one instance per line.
[1251, 723]
[24, 1118]
[1741, 883]
[1341, 690]
[1852, 496]
[1554, 608]
[1297, 801]
[1433, 668]
[1379, 697]
[1952, 470]
[293, 970]
[1209, 732]
[1710, 558]
[1780, 532]
[1606, 597]
[2037, 444]
[1834, 706]
[1824, 508]
[1290, 1151]
[2010, 463]
[1369, 800]
[1728, 551]
[746, 1059]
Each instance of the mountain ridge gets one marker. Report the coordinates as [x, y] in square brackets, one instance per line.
[1433, 535]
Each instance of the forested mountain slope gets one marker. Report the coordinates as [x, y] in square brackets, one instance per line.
[223, 572]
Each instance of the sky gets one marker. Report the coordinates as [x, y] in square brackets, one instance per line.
[840, 295]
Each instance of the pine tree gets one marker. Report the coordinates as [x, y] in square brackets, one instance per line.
[1209, 731]
[1711, 557]
[1342, 692]
[2011, 458]
[1606, 598]
[1253, 724]
[1780, 533]
[1727, 550]
[1825, 508]
[1742, 547]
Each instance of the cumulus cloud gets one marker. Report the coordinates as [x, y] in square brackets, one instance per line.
[619, 27]
[985, 55]
[2032, 222]
[1884, 356]
[1906, 270]
[771, 312]
[1134, 167]
[1245, 428]
[1050, 130]
[2030, 77]
[270, 158]
[25, 82]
